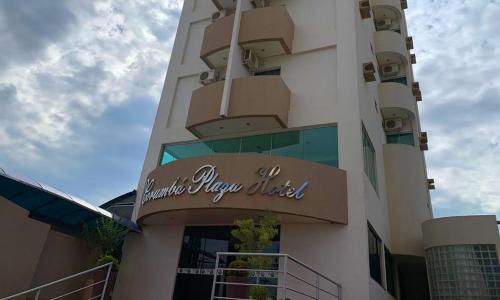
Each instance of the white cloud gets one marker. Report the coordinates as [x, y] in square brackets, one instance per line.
[457, 45]
[113, 56]
[93, 58]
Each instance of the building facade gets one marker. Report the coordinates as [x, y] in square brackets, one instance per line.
[305, 109]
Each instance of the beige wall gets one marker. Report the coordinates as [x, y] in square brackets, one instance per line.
[149, 264]
[31, 254]
[21, 244]
[464, 230]
[408, 198]
[62, 256]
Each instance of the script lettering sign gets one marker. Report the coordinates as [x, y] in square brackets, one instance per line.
[207, 179]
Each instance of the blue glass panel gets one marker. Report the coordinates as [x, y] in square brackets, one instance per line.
[321, 145]
[225, 146]
[401, 80]
[288, 144]
[317, 144]
[403, 138]
[256, 144]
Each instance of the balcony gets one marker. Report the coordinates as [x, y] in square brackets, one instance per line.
[216, 42]
[297, 190]
[396, 101]
[268, 31]
[255, 103]
[387, 15]
[390, 48]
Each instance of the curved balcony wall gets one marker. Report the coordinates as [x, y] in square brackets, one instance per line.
[407, 196]
[268, 31]
[396, 101]
[256, 103]
[216, 42]
[300, 191]
[390, 48]
[387, 9]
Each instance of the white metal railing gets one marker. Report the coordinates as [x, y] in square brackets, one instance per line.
[37, 290]
[288, 277]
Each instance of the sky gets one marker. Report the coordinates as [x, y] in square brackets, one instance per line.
[80, 83]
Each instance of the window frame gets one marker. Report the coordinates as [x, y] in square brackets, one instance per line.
[379, 248]
[368, 144]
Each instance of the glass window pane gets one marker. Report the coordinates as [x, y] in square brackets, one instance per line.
[370, 162]
[167, 158]
[375, 256]
[403, 138]
[256, 144]
[225, 146]
[188, 150]
[321, 145]
[288, 144]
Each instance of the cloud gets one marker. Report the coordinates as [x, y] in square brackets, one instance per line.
[457, 44]
[79, 86]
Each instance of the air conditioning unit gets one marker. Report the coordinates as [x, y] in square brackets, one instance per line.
[383, 24]
[260, 3]
[209, 77]
[218, 15]
[250, 60]
[393, 124]
[390, 70]
[224, 4]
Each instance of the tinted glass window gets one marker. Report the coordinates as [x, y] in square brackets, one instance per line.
[375, 255]
[403, 138]
[317, 144]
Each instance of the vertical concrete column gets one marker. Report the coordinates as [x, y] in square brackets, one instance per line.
[235, 68]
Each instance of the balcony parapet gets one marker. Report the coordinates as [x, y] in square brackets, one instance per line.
[396, 101]
[255, 103]
[269, 31]
[216, 42]
[390, 47]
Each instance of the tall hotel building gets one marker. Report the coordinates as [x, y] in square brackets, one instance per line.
[307, 109]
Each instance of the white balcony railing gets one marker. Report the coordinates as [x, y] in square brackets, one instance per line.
[101, 285]
[287, 278]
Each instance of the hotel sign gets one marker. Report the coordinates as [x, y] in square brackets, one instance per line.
[208, 180]
[198, 189]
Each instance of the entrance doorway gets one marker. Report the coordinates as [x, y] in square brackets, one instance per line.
[195, 271]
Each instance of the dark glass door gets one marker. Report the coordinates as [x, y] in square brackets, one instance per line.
[197, 261]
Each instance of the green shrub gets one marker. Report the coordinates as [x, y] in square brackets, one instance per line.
[255, 238]
[238, 264]
[259, 293]
[105, 239]
[107, 259]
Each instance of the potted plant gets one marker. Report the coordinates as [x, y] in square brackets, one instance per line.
[237, 276]
[251, 237]
[105, 240]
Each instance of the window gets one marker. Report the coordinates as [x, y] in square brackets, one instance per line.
[269, 72]
[316, 144]
[401, 80]
[390, 272]
[464, 272]
[374, 249]
[370, 161]
[401, 138]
